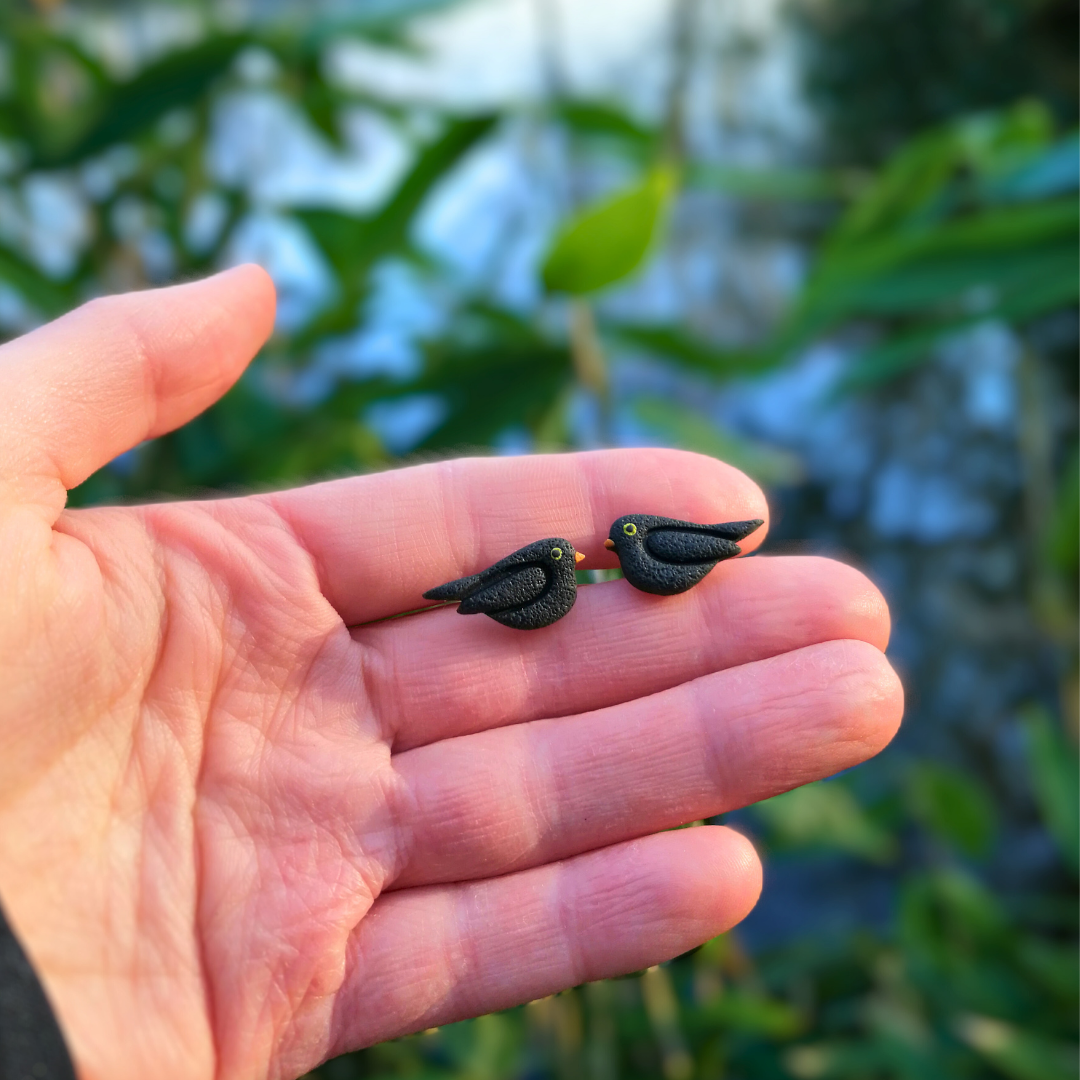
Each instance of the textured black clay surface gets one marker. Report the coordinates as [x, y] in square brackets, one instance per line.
[665, 556]
[534, 587]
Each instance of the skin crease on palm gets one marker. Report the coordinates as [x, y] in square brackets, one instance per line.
[238, 837]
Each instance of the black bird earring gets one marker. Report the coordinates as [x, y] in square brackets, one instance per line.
[665, 556]
[533, 587]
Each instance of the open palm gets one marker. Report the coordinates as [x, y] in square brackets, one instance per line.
[237, 836]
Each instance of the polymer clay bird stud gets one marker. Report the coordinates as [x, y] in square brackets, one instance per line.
[665, 556]
[533, 587]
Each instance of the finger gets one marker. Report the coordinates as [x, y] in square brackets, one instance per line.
[524, 795]
[430, 956]
[380, 541]
[121, 369]
[439, 676]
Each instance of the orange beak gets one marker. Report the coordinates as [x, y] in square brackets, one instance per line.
[578, 556]
[609, 544]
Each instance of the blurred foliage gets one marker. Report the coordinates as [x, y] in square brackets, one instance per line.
[973, 222]
[882, 71]
[680, 427]
[966, 220]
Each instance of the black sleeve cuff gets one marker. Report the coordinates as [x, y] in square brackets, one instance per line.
[31, 1046]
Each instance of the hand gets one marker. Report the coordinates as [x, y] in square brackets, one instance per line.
[237, 837]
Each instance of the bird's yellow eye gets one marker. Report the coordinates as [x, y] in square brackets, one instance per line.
[556, 553]
[629, 528]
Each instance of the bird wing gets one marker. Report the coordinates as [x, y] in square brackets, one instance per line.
[454, 590]
[735, 530]
[688, 546]
[511, 589]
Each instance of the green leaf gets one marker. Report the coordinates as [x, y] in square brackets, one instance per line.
[598, 119]
[912, 180]
[768, 185]
[915, 188]
[1040, 277]
[609, 241]
[826, 814]
[674, 343]
[495, 389]
[381, 23]
[968, 252]
[1063, 534]
[689, 430]
[1050, 966]
[1048, 171]
[353, 243]
[874, 1055]
[50, 298]
[1055, 780]
[754, 1013]
[59, 92]
[1038, 286]
[948, 918]
[320, 101]
[1018, 262]
[180, 78]
[1016, 1053]
[900, 353]
[953, 805]
[997, 144]
[494, 372]
[944, 237]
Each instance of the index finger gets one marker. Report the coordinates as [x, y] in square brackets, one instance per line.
[378, 542]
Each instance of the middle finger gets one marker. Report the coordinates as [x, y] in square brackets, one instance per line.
[499, 801]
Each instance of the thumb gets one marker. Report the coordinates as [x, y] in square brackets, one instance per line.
[81, 390]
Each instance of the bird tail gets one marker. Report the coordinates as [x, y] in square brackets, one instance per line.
[736, 530]
[454, 590]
